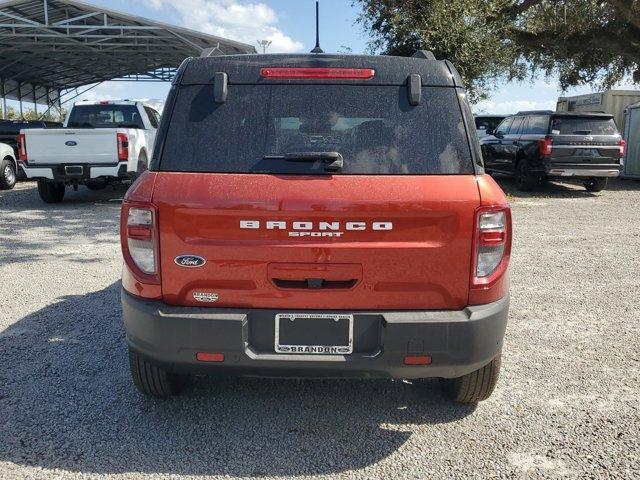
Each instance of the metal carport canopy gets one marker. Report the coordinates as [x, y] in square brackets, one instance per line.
[50, 46]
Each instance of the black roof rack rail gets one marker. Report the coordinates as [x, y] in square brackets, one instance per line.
[426, 54]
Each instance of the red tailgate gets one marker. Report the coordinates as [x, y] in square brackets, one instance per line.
[321, 242]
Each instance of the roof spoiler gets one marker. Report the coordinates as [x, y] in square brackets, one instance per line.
[534, 112]
[424, 54]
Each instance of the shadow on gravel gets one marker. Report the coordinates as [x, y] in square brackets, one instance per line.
[554, 189]
[624, 184]
[66, 402]
[87, 213]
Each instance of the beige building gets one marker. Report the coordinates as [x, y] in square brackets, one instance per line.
[612, 101]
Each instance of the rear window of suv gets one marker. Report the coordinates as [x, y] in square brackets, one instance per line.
[583, 126]
[373, 127]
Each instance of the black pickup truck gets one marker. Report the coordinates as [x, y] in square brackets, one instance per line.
[10, 129]
[534, 146]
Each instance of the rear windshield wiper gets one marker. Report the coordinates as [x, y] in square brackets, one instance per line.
[332, 160]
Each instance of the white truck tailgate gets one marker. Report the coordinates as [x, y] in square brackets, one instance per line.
[60, 145]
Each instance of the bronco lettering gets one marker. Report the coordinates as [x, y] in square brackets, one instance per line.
[321, 226]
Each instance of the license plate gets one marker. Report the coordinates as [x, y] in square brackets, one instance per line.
[314, 334]
[589, 152]
[74, 170]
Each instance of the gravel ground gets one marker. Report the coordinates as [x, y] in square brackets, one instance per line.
[566, 404]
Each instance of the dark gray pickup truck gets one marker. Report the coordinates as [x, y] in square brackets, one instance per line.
[534, 146]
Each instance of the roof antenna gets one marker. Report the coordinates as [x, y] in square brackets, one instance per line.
[317, 48]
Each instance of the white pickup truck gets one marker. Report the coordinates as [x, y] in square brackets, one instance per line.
[101, 143]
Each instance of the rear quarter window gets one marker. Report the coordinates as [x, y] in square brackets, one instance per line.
[373, 127]
[487, 123]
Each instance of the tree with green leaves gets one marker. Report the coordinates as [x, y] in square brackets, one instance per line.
[582, 41]
[55, 114]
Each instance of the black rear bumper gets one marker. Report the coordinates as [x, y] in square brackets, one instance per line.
[459, 342]
[582, 169]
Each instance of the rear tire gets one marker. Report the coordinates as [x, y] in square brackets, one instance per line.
[7, 174]
[525, 179]
[475, 386]
[596, 184]
[152, 380]
[51, 192]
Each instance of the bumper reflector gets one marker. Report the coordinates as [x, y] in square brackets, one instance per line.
[210, 357]
[417, 360]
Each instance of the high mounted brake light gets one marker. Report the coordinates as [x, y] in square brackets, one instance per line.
[318, 73]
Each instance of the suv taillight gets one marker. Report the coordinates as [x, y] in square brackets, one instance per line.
[546, 146]
[491, 246]
[623, 147]
[140, 241]
[22, 148]
[123, 147]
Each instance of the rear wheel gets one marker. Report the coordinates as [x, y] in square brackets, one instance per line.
[596, 184]
[7, 174]
[152, 380]
[51, 192]
[475, 386]
[525, 179]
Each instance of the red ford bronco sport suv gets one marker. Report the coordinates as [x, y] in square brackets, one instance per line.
[316, 215]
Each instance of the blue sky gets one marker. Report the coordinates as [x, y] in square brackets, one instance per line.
[290, 25]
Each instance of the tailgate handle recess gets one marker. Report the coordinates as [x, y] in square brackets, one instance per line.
[315, 284]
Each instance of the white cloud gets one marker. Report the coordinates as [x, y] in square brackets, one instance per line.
[104, 91]
[115, 91]
[244, 22]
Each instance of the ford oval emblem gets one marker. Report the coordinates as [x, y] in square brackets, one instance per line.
[71, 143]
[190, 261]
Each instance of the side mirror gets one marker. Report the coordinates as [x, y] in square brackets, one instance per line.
[490, 132]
